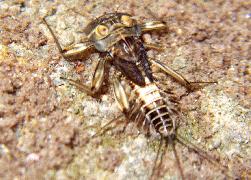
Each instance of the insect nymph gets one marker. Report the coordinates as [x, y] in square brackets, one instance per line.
[117, 37]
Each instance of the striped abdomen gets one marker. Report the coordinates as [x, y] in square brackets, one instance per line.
[154, 112]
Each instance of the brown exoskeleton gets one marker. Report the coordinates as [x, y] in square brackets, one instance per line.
[117, 37]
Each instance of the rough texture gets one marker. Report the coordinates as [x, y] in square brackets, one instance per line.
[43, 119]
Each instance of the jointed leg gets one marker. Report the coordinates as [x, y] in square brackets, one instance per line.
[120, 96]
[152, 25]
[74, 51]
[105, 128]
[189, 85]
[171, 72]
[97, 79]
[123, 103]
[154, 46]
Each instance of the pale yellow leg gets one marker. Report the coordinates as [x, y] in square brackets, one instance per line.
[189, 85]
[154, 46]
[97, 79]
[152, 25]
[120, 96]
[171, 72]
[75, 51]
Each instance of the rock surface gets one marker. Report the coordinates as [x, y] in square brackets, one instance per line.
[44, 120]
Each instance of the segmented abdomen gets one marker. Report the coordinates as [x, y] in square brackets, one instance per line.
[155, 110]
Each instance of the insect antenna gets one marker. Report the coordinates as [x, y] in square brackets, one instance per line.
[54, 37]
[85, 10]
[117, 9]
[154, 15]
[84, 14]
[203, 154]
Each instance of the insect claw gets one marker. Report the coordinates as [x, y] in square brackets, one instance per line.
[196, 85]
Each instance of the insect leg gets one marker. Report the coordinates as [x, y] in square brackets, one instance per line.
[97, 79]
[74, 51]
[105, 128]
[120, 96]
[189, 85]
[154, 46]
[123, 102]
[171, 72]
[78, 51]
[152, 25]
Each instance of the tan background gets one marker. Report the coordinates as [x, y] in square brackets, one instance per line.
[43, 119]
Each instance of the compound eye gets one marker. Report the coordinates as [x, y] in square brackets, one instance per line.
[101, 31]
[127, 20]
